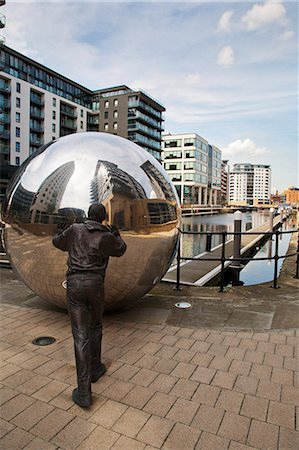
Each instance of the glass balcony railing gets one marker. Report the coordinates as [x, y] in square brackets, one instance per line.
[4, 149]
[35, 112]
[34, 140]
[4, 134]
[136, 103]
[4, 103]
[36, 127]
[4, 86]
[38, 100]
[69, 124]
[68, 111]
[4, 118]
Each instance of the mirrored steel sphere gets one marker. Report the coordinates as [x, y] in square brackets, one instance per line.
[60, 181]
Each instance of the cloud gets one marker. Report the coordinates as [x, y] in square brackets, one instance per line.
[193, 79]
[246, 149]
[262, 15]
[224, 21]
[287, 35]
[226, 57]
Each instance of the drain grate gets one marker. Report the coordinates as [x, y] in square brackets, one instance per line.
[43, 340]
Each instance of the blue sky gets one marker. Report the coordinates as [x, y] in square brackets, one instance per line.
[225, 70]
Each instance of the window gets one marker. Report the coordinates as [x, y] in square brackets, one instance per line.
[107, 104]
[54, 102]
[115, 102]
[54, 115]
[53, 128]
[17, 160]
[18, 147]
[18, 87]
[106, 115]
[81, 124]
[82, 113]
[106, 126]
[18, 102]
[18, 132]
[115, 125]
[115, 114]
[53, 138]
[18, 117]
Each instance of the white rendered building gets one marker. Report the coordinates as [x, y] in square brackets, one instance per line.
[192, 164]
[250, 184]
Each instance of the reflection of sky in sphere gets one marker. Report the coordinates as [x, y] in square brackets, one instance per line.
[85, 149]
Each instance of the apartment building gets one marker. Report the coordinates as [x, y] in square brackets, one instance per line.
[224, 181]
[194, 167]
[130, 114]
[250, 184]
[38, 105]
[292, 195]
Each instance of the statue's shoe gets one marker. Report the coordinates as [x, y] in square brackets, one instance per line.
[82, 400]
[98, 373]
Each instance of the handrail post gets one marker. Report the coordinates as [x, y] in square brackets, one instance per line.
[178, 267]
[221, 289]
[276, 258]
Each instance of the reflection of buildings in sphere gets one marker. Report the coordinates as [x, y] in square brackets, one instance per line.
[48, 197]
[161, 185]
[119, 192]
[116, 172]
[125, 198]
[21, 202]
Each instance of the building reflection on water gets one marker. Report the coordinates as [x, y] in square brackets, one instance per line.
[193, 244]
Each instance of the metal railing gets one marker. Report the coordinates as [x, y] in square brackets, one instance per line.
[224, 258]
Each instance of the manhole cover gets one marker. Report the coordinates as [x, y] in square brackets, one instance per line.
[183, 305]
[43, 340]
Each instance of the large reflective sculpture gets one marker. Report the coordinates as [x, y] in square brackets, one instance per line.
[60, 181]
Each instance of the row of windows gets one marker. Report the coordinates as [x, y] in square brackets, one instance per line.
[187, 166]
[187, 154]
[106, 126]
[115, 114]
[107, 103]
[187, 143]
[39, 77]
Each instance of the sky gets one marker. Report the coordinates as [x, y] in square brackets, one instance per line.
[225, 70]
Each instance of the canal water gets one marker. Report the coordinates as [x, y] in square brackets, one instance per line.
[255, 272]
[194, 245]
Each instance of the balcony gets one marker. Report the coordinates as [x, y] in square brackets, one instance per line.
[68, 111]
[37, 113]
[4, 118]
[4, 103]
[38, 128]
[4, 86]
[35, 141]
[4, 149]
[68, 124]
[139, 104]
[36, 99]
[4, 134]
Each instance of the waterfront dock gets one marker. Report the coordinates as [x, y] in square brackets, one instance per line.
[199, 272]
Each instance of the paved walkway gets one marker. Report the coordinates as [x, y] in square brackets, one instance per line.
[176, 379]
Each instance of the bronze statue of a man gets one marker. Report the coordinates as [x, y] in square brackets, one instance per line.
[89, 245]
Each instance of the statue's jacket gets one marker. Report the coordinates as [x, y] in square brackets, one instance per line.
[89, 245]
